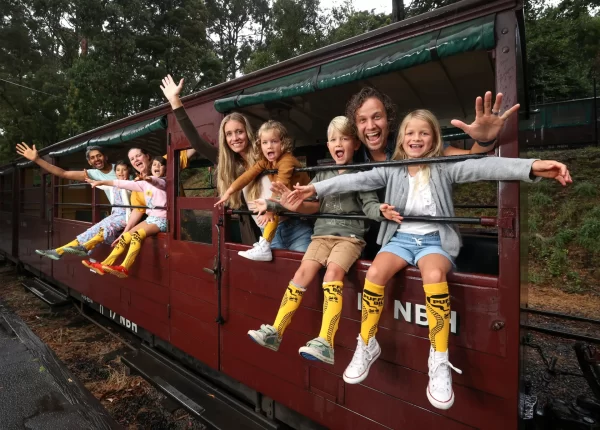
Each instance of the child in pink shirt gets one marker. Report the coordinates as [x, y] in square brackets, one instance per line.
[155, 195]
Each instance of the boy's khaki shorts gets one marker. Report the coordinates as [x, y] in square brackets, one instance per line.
[343, 251]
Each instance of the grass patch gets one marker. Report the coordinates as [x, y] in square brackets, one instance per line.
[539, 199]
[585, 189]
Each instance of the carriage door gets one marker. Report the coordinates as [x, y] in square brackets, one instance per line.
[193, 253]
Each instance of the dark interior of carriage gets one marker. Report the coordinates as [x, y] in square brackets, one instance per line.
[448, 87]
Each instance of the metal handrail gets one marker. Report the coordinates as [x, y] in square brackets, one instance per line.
[393, 163]
[484, 221]
[104, 205]
[78, 184]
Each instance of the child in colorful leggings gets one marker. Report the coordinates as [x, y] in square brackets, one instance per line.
[336, 245]
[276, 147]
[155, 195]
[106, 230]
[421, 190]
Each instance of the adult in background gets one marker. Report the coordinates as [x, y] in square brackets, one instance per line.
[373, 114]
[102, 170]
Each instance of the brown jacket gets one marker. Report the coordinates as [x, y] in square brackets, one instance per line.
[285, 166]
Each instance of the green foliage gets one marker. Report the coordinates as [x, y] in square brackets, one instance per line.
[557, 70]
[540, 199]
[588, 234]
[585, 189]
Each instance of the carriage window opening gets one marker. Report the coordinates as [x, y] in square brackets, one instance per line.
[196, 225]
[74, 200]
[197, 182]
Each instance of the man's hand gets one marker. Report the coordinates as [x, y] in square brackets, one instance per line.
[24, 150]
[488, 121]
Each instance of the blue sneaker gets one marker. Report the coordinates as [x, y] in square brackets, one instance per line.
[317, 349]
[266, 336]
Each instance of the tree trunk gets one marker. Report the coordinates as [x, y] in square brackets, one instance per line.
[398, 12]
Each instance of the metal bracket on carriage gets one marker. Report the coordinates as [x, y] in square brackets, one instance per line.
[505, 222]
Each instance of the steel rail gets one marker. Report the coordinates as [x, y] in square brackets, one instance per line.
[106, 205]
[562, 334]
[394, 163]
[487, 221]
[560, 315]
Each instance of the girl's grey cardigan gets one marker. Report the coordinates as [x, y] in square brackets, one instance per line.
[443, 175]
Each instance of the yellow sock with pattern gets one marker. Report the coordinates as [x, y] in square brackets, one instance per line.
[134, 248]
[91, 244]
[332, 310]
[118, 250]
[437, 303]
[372, 305]
[290, 303]
[270, 229]
[61, 251]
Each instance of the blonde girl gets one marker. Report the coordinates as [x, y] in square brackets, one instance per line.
[275, 146]
[432, 247]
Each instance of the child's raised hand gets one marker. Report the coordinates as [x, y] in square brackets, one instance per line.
[263, 219]
[258, 206]
[389, 213]
[488, 120]
[553, 170]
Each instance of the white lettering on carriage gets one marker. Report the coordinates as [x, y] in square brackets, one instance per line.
[112, 315]
[404, 311]
[128, 324]
[86, 299]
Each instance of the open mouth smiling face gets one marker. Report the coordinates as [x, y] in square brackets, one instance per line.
[270, 144]
[158, 170]
[418, 138]
[138, 160]
[96, 160]
[342, 147]
[372, 124]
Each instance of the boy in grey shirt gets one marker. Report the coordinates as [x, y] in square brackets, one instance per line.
[336, 244]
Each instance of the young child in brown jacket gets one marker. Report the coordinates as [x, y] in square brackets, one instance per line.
[276, 147]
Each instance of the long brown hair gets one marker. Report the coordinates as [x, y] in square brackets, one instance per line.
[232, 165]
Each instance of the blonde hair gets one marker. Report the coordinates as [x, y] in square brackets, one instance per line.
[438, 144]
[286, 141]
[232, 165]
[342, 125]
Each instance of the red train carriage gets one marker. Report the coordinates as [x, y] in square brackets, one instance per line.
[190, 295]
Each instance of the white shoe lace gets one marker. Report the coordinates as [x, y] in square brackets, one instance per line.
[437, 364]
[361, 352]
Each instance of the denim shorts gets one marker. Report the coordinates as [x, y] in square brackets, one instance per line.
[413, 247]
[293, 234]
[161, 223]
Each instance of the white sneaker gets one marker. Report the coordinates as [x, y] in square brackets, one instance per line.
[260, 252]
[364, 357]
[439, 390]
